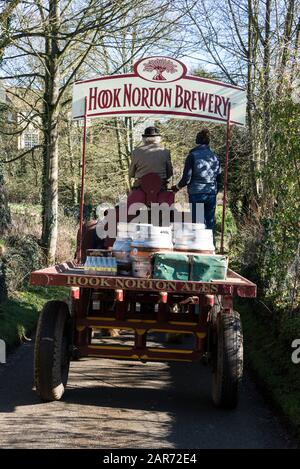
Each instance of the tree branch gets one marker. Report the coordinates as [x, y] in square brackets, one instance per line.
[31, 150]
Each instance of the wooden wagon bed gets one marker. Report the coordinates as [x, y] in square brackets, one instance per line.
[70, 275]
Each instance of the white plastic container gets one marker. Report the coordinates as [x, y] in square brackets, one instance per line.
[183, 235]
[204, 240]
[147, 240]
[186, 229]
[193, 237]
[126, 230]
[151, 236]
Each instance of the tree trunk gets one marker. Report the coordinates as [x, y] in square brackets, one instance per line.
[266, 82]
[295, 54]
[51, 115]
[251, 51]
[123, 155]
[288, 28]
[5, 218]
[74, 175]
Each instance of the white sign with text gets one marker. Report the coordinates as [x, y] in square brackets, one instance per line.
[160, 86]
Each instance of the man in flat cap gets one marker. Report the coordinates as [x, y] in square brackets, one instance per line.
[150, 157]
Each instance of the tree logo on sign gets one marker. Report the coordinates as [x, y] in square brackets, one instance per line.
[160, 66]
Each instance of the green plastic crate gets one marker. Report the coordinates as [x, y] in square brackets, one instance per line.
[171, 266]
[185, 266]
[209, 267]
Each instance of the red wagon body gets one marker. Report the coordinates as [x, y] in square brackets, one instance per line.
[156, 301]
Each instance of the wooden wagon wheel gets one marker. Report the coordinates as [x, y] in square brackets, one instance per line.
[52, 351]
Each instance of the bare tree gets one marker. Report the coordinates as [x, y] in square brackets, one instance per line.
[5, 17]
[255, 44]
[50, 43]
[158, 35]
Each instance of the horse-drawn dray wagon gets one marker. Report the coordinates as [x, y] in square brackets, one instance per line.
[201, 311]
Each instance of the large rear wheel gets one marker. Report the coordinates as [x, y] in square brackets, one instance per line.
[227, 360]
[52, 351]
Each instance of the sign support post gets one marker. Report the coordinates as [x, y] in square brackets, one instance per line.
[225, 190]
[83, 170]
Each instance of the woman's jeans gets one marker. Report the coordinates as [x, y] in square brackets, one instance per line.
[209, 201]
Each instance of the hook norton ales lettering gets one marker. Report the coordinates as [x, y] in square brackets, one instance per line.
[141, 284]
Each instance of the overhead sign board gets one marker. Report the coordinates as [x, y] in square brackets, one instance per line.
[159, 86]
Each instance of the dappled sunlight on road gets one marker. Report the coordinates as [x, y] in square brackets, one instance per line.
[112, 404]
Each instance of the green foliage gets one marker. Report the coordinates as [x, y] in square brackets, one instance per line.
[5, 217]
[280, 253]
[105, 177]
[267, 245]
[230, 223]
[3, 289]
[18, 315]
[201, 72]
[22, 256]
[266, 249]
[230, 229]
[27, 210]
[280, 256]
[268, 351]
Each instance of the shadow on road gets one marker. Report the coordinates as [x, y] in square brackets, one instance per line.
[123, 404]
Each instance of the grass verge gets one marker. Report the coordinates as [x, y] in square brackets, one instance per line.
[268, 353]
[18, 315]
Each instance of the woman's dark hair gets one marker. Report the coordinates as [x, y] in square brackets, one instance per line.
[203, 137]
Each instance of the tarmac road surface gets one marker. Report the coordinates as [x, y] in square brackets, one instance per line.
[113, 404]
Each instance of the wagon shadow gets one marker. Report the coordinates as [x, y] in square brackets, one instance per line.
[130, 405]
[172, 399]
[143, 387]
